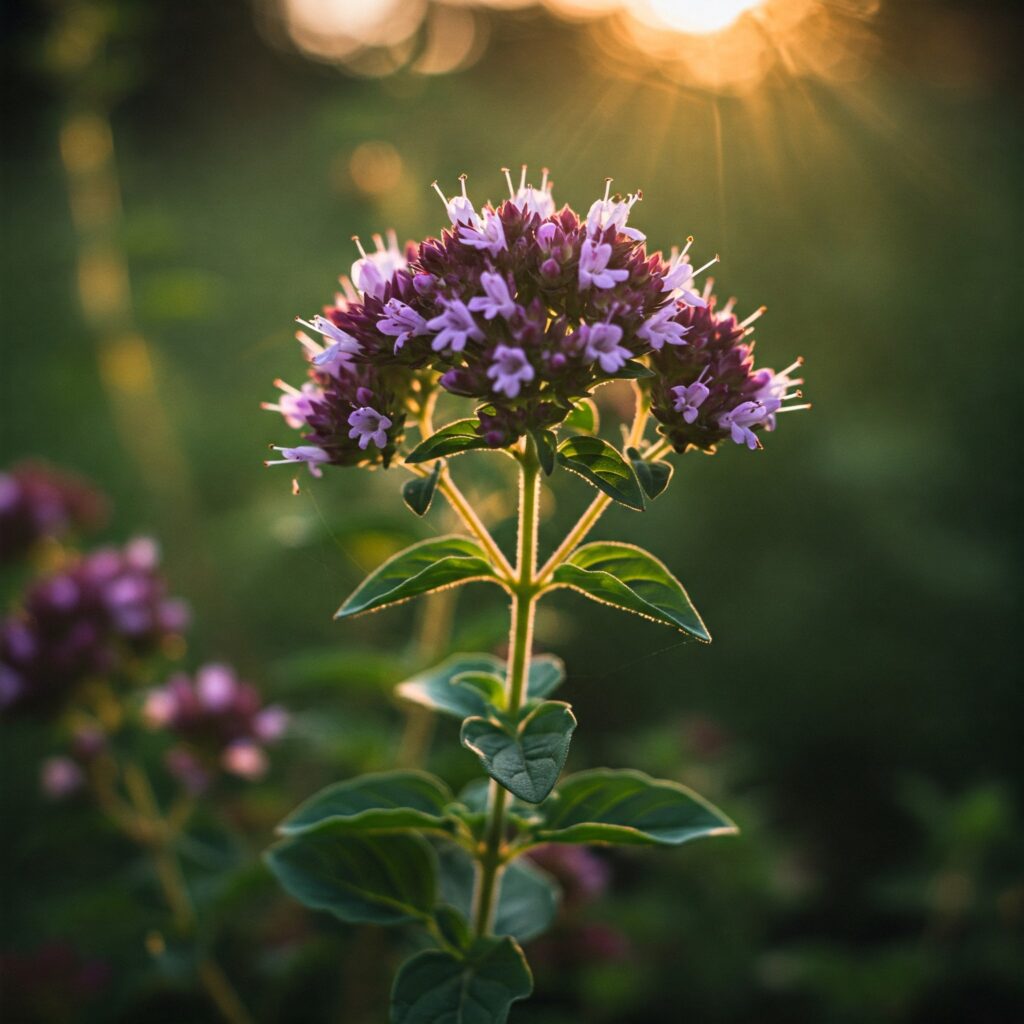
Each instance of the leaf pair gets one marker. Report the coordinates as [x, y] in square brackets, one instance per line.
[621, 575]
[524, 753]
[633, 580]
[446, 689]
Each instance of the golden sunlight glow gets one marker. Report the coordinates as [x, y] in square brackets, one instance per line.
[694, 16]
[718, 45]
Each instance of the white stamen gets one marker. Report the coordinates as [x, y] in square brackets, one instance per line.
[359, 246]
[508, 178]
[710, 263]
[756, 315]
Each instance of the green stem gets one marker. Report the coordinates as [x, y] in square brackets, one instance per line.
[524, 597]
[593, 512]
[155, 833]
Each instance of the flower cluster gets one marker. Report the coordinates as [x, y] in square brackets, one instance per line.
[89, 619]
[38, 501]
[524, 309]
[708, 390]
[221, 722]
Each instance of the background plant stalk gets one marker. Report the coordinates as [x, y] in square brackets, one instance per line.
[524, 602]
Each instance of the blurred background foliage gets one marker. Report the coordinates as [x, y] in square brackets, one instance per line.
[180, 181]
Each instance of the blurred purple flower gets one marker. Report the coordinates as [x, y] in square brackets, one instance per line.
[220, 722]
[37, 501]
[91, 618]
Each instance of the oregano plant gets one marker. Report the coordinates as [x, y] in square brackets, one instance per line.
[523, 310]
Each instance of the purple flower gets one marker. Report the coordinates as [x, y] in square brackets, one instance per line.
[679, 274]
[338, 353]
[601, 344]
[310, 454]
[510, 370]
[594, 259]
[663, 328]
[708, 390]
[459, 208]
[455, 326]
[39, 501]
[369, 425]
[486, 234]
[530, 200]
[496, 301]
[219, 722]
[523, 309]
[374, 271]
[295, 404]
[60, 777]
[612, 213]
[689, 397]
[92, 619]
[402, 322]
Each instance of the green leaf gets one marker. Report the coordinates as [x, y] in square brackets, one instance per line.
[453, 439]
[376, 879]
[632, 579]
[527, 756]
[632, 370]
[546, 442]
[653, 476]
[490, 686]
[546, 674]
[435, 687]
[437, 987]
[453, 926]
[600, 464]
[608, 806]
[418, 493]
[528, 898]
[429, 565]
[583, 418]
[372, 803]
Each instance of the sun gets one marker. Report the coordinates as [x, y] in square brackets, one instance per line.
[700, 17]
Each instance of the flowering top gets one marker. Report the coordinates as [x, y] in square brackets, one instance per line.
[87, 620]
[524, 309]
[708, 391]
[220, 721]
[38, 501]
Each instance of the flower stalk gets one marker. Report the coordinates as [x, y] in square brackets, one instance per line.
[523, 611]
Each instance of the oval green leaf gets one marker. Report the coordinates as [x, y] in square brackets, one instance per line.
[419, 492]
[654, 477]
[627, 577]
[434, 688]
[477, 987]
[546, 443]
[525, 757]
[453, 439]
[628, 807]
[383, 801]
[420, 569]
[490, 687]
[583, 418]
[547, 672]
[600, 464]
[375, 879]
[528, 898]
